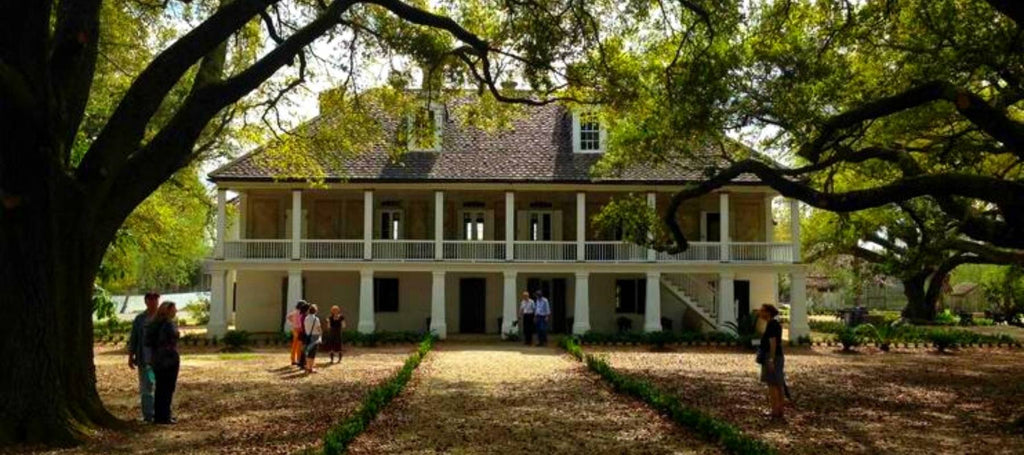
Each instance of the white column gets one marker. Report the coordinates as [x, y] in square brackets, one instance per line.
[243, 215]
[508, 308]
[726, 299]
[294, 289]
[769, 237]
[510, 224]
[296, 223]
[437, 304]
[794, 227]
[652, 307]
[218, 325]
[368, 225]
[438, 225]
[218, 248]
[652, 203]
[723, 224]
[581, 226]
[581, 313]
[798, 325]
[366, 323]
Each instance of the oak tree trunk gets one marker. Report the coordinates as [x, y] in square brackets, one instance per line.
[919, 306]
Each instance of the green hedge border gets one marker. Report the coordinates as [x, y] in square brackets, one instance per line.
[711, 429]
[343, 433]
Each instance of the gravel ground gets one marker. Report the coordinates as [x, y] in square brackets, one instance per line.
[908, 402]
[504, 398]
[240, 403]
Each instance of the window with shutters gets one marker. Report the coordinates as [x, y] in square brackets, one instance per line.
[385, 295]
[473, 224]
[540, 225]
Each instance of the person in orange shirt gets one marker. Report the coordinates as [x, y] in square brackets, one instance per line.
[296, 318]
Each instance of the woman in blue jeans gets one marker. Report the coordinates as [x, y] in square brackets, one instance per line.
[162, 339]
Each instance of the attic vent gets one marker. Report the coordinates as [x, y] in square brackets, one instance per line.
[474, 205]
[540, 205]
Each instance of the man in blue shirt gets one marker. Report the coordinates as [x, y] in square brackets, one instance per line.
[541, 317]
[138, 355]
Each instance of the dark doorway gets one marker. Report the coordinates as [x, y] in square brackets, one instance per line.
[741, 290]
[554, 289]
[472, 305]
[712, 227]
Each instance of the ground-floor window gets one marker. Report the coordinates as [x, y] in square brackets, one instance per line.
[630, 295]
[385, 295]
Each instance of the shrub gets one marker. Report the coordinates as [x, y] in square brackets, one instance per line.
[882, 335]
[984, 322]
[849, 338]
[236, 340]
[745, 328]
[827, 326]
[944, 339]
[946, 317]
[342, 434]
[198, 311]
[512, 335]
[804, 339]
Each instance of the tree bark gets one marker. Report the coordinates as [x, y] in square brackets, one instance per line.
[920, 306]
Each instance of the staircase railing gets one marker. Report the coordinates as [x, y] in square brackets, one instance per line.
[700, 292]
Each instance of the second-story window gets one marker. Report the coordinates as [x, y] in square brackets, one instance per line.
[473, 223]
[540, 226]
[588, 134]
[390, 224]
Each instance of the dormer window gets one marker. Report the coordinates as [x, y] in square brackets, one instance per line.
[425, 128]
[588, 135]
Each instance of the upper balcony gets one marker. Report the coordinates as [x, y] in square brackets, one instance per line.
[482, 226]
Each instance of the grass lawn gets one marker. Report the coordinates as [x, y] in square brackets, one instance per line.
[241, 402]
[914, 401]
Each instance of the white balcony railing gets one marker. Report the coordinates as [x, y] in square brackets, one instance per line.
[540, 251]
[760, 252]
[697, 252]
[494, 251]
[403, 250]
[615, 252]
[258, 249]
[474, 250]
[332, 249]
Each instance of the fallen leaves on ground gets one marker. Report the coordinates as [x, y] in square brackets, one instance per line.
[504, 398]
[239, 403]
[907, 401]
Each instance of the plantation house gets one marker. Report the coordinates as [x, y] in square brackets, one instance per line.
[448, 236]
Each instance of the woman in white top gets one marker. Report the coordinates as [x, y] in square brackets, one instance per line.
[314, 333]
[526, 309]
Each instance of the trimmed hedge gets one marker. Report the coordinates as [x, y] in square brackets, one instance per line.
[711, 429]
[657, 338]
[342, 434]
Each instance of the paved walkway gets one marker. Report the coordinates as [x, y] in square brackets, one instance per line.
[471, 398]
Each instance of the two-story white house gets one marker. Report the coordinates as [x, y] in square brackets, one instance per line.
[448, 237]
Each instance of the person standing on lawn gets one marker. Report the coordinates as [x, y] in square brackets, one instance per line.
[526, 309]
[336, 322]
[295, 319]
[541, 317]
[314, 333]
[139, 355]
[162, 340]
[773, 363]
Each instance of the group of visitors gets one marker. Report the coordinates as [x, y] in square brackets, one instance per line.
[308, 334]
[153, 351]
[536, 316]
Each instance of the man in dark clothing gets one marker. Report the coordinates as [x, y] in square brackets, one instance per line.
[139, 356]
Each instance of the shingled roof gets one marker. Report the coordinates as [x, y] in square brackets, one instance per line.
[537, 148]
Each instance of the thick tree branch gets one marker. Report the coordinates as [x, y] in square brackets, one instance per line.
[936, 185]
[127, 125]
[72, 66]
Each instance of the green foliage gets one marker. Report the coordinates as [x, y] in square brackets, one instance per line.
[629, 217]
[826, 326]
[343, 433]
[908, 333]
[512, 335]
[706, 426]
[102, 304]
[850, 338]
[946, 317]
[237, 340]
[943, 339]
[745, 328]
[198, 311]
[882, 335]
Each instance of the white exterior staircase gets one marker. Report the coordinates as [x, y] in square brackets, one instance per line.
[697, 295]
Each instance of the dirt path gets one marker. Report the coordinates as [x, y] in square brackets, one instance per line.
[506, 398]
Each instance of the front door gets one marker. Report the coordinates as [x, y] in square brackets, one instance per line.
[554, 290]
[741, 290]
[472, 303]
